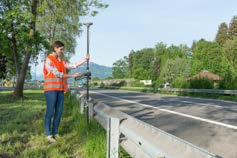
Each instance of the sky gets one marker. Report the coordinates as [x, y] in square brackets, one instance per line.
[136, 24]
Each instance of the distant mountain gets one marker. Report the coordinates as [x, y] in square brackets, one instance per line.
[96, 71]
[99, 71]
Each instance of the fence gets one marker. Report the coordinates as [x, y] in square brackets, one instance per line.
[138, 138]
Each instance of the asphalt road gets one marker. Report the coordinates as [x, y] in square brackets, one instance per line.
[207, 123]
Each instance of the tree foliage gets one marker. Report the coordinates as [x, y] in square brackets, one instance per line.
[201, 83]
[142, 63]
[209, 56]
[229, 81]
[60, 20]
[176, 64]
[159, 63]
[222, 34]
[232, 32]
[175, 68]
[120, 68]
[230, 51]
[29, 27]
[14, 31]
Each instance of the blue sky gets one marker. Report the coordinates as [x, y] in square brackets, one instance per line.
[136, 24]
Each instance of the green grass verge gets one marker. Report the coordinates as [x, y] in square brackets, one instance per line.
[22, 130]
[203, 95]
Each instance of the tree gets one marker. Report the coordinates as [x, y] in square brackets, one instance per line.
[230, 51]
[149, 62]
[233, 28]
[55, 22]
[194, 44]
[166, 59]
[229, 81]
[18, 30]
[160, 59]
[175, 68]
[160, 48]
[23, 41]
[222, 34]
[130, 63]
[143, 61]
[120, 68]
[156, 67]
[209, 56]
[18, 91]
[12, 29]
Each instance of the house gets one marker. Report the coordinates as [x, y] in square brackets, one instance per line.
[206, 74]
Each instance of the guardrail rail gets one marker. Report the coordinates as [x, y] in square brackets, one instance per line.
[213, 91]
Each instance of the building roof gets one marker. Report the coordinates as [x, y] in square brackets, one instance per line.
[206, 74]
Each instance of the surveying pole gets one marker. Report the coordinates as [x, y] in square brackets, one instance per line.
[88, 24]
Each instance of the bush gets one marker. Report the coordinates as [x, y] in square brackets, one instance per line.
[201, 83]
[118, 83]
[157, 83]
[135, 83]
[229, 82]
[94, 84]
[102, 85]
[180, 83]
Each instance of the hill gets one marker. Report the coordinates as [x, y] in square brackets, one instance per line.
[97, 70]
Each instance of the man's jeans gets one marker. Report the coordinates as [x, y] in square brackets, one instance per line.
[54, 101]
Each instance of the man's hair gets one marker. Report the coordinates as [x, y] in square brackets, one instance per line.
[57, 44]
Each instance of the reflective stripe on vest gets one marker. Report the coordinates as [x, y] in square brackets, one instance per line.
[65, 85]
[53, 80]
[53, 84]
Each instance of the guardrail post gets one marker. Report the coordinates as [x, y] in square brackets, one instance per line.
[82, 105]
[91, 110]
[113, 137]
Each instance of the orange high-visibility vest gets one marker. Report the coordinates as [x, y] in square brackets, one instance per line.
[51, 82]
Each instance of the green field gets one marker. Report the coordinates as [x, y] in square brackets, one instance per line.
[22, 130]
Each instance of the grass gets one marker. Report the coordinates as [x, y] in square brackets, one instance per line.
[203, 95]
[22, 130]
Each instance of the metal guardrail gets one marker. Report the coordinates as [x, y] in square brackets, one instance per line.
[5, 88]
[138, 138]
[213, 91]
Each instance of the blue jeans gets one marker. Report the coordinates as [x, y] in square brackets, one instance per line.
[54, 101]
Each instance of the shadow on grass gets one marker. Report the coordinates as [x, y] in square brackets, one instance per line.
[6, 97]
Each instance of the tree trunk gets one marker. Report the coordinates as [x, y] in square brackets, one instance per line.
[18, 91]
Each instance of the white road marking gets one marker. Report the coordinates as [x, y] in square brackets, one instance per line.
[173, 112]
